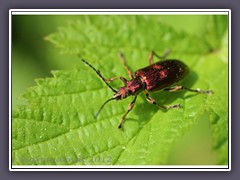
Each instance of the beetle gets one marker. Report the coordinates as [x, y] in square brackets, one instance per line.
[157, 76]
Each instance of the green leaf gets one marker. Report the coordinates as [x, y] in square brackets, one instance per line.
[216, 28]
[58, 126]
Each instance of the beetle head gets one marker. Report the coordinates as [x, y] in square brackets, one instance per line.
[122, 93]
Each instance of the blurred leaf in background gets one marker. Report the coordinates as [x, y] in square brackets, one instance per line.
[57, 124]
[32, 56]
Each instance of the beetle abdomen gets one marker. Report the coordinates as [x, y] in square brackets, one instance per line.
[162, 74]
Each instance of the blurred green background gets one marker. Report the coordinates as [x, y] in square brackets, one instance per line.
[33, 57]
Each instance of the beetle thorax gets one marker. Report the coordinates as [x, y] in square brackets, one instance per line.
[132, 87]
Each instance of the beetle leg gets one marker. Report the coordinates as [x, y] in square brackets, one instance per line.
[152, 101]
[117, 77]
[130, 106]
[130, 74]
[177, 88]
[150, 57]
[153, 53]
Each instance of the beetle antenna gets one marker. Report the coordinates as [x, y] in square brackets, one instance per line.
[102, 107]
[99, 74]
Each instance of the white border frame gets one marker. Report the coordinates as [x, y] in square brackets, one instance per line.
[118, 12]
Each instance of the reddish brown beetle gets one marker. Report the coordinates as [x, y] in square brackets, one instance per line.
[155, 77]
